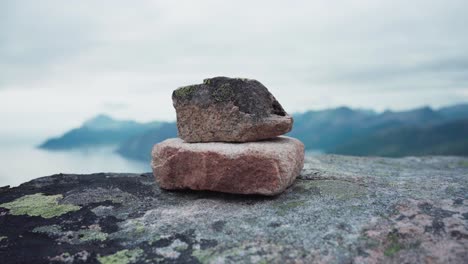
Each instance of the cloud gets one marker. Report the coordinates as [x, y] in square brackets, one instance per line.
[311, 54]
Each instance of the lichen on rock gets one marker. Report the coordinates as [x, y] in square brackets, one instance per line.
[340, 210]
[185, 92]
[224, 93]
[38, 204]
[172, 251]
[125, 256]
[52, 230]
[229, 110]
[84, 235]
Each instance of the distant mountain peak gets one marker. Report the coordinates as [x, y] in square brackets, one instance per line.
[101, 122]
[424, 109]
[344, 109]
[99, 130]
[99, 118]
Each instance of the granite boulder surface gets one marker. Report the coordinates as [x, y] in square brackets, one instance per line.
[265, 167]
[339, 210]
[229, 110]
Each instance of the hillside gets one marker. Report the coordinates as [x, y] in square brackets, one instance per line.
[442, 139]
[100, 130]
[139, 146]
[328, 129]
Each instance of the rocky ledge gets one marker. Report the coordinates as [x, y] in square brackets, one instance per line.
[340, 210]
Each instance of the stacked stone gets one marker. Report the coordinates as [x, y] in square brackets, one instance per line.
[229, 140]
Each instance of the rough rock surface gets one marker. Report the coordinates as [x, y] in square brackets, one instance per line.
[265, 167]
[340, 210]
[229, 110]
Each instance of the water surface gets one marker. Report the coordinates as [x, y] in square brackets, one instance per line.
[23, 162]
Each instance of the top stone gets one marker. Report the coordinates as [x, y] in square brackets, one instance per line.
[229, 110]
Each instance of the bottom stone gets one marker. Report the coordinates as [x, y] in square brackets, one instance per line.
[264, 167]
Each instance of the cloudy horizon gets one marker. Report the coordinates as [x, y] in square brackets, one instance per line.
[64, 62]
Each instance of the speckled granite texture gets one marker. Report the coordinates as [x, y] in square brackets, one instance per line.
[339, 210]
[226, 109]
[265, 167]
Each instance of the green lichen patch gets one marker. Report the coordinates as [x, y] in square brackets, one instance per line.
[91, 235]
[185, 91]
[38, 204]
[139, 228]
[125, 256]
[54, 230]
[463, 163]
[134, 230]
[72, 237]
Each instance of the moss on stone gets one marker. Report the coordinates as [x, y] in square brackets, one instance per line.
[185, 91]
[463, 163]
[394, 245]
[224, 93]
[38, 204]
[125, 256]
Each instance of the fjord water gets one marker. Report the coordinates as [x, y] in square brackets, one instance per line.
[21, 161]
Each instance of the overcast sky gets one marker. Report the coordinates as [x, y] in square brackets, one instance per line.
[62, 62]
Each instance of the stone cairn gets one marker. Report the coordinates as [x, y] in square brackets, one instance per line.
[229, 140]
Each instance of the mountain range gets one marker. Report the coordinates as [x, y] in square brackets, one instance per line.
[421, 131]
